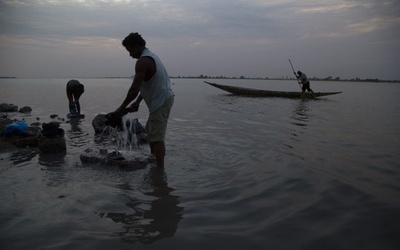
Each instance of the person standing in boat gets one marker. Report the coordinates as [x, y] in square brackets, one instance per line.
[305, 83]
[74, 91]
[151, 83]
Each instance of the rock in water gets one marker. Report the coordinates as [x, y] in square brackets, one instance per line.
[114, 158]
[53, 138]
[5, 107]
[25, 109]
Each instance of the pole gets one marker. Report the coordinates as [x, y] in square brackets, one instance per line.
[294, 72]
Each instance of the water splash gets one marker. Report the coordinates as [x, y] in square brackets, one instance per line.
[127, 138]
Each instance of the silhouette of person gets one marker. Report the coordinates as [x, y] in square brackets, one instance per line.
[304, 81]
[74, 91]
[151, 83]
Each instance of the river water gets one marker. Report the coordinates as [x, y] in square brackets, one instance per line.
[255, 173]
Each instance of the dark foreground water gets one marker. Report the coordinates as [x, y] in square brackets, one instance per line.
[241, 173]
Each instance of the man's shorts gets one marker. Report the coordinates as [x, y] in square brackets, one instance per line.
[306, 86]
[156, 125]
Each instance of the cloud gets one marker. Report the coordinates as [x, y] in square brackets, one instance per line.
[225, 37]
[375, 24]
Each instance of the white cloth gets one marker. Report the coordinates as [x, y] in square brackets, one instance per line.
[303, 78]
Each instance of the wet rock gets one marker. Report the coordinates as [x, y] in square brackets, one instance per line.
[50, 139]
[25, 109]
[53, 140]
[114, 158]
[52, 130]
[5, 107]
[28, 138]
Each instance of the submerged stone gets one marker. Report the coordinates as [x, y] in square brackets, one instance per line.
[25, 109]
[8, 107]
[115, 158]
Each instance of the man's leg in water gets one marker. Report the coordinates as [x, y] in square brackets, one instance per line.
[156, 128]
[158, 149]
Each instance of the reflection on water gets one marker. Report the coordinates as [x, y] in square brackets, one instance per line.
[77, 136]
[149, 220]
[75, 122]
[300, 120]
[54, 168]
[23, 156]
[52, 160]
[300, 115]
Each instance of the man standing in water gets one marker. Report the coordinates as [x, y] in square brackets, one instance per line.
[74, 91]
[304, 82]
[151, 83]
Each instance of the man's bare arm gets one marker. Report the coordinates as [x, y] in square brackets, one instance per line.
[140, 72]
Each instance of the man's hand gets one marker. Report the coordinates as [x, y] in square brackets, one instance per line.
[133, 108]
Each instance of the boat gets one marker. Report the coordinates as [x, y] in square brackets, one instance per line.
[269, 93]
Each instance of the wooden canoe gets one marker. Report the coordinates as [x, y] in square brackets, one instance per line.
[268, 93]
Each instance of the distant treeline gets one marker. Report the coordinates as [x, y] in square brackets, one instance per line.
[330, 78]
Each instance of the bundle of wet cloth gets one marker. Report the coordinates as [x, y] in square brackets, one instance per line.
[113, 120]
[73, 109]
[15, 128]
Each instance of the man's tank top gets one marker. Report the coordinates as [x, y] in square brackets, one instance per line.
[156, 91]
